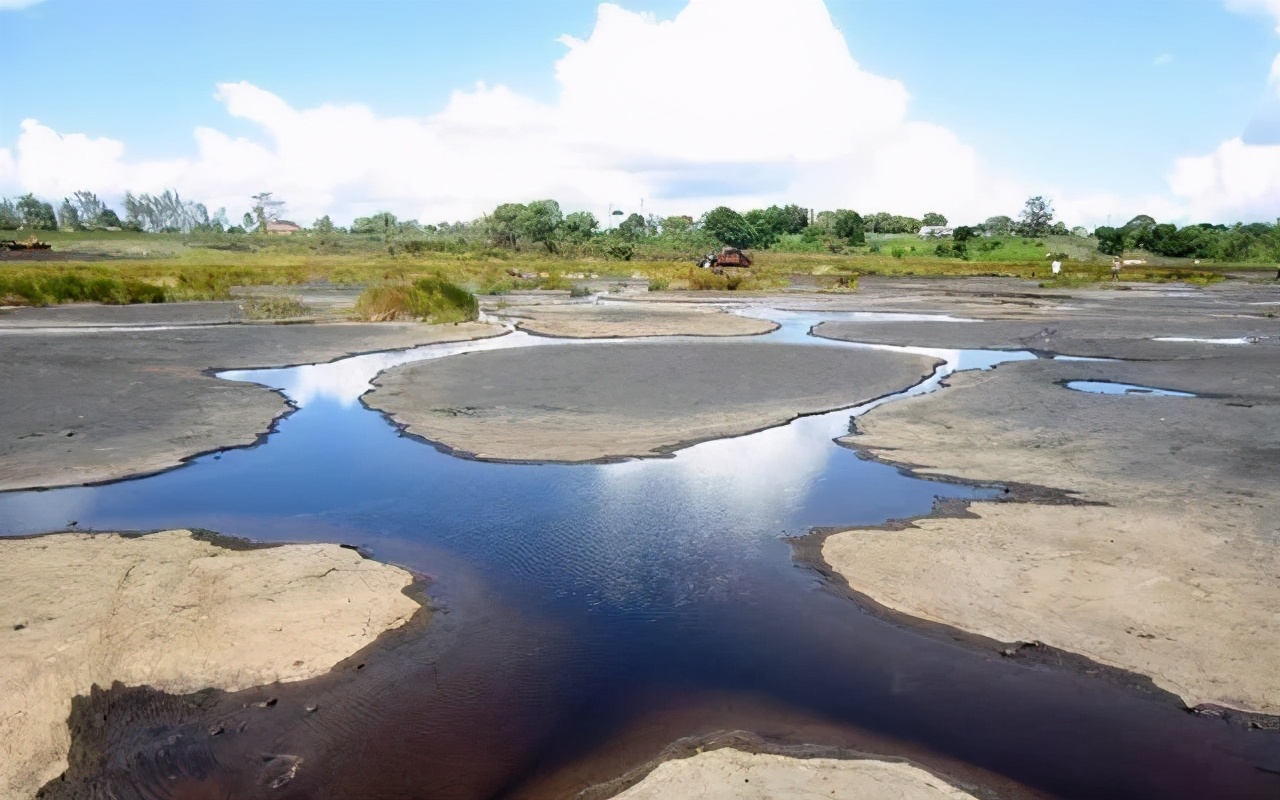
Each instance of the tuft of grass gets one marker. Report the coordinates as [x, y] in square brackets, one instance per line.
[274, 308]
[431, 299]
[48, 287]
[659, 284]
[580, 290]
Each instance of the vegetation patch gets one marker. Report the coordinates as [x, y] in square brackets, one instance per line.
[42, 287]
[432, 299]
[260, 308]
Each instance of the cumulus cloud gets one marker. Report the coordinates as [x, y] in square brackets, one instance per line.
[642, 112]
[1240, 178]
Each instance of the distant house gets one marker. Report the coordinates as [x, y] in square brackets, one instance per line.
[283, 227]
[934, 231]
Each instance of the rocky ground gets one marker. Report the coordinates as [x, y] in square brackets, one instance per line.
[174, 612]
[1169, 566]
[1162, 560]
[600, 401]
[618, 319]
[86, 396]
[728, 773]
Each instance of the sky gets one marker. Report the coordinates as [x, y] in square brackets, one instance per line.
[442, 110]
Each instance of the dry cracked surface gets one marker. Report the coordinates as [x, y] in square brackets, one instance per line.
[173, 612]
[1173, 574]
[587, 402]
[102, 404]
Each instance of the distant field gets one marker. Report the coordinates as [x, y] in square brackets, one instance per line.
[206, 267]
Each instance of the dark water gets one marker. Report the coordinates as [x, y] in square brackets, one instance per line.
[589, 614]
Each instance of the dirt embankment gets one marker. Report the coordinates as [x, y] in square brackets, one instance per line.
[172, 611]
[591, 402]
[1173, 574]
[103, 404]
[617, 320]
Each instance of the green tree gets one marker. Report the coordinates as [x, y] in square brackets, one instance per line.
[540, 222]
[92, 212]
[1110, 240]
[849, 226]
[323, 225]
[68, 216]
[998, 225]
[962, 234]
[503, 225]
[383, 223]
[579, 226]
[1036, 217]
[633, 227]
[266, 209]
[933, 218]
[9, 219]
[36, 215]
[762, 224]
[728, 227]
[677, 225]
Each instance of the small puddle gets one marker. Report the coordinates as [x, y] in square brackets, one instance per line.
[1110, 387]
[571, 592]
[1234, 340]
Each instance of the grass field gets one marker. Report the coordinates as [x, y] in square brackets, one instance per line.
[125, 267]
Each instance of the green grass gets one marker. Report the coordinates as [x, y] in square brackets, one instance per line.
[263, 308]
[431, 299]
[37, 287]
[122, 266]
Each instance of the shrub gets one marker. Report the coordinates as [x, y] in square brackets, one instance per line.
[659, 284]
[274, 308]
[898, 252]
[580, 290]
[620, 251]
[431, 299]
[76, 287]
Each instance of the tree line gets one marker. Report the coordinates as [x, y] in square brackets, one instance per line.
[1240, 242]
[542, 224]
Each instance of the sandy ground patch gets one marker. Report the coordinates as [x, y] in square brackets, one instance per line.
[173, 612]
[98, 405]
[590, 401]
[582, 321]
[1174, 577]
[729, 773]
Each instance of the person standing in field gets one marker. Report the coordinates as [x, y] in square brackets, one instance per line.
[1115, 269]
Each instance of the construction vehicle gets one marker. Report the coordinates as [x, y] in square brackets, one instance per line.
[728, 258]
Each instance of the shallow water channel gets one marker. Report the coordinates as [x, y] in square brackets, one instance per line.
[588, 615]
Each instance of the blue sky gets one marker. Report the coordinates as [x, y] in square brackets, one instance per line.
[1077, 97]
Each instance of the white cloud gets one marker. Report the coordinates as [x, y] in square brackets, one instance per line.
[1268, 7]
[1239, 179]
[1236, 181]
[17, 5]
[1162, 60]
[645, 111]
